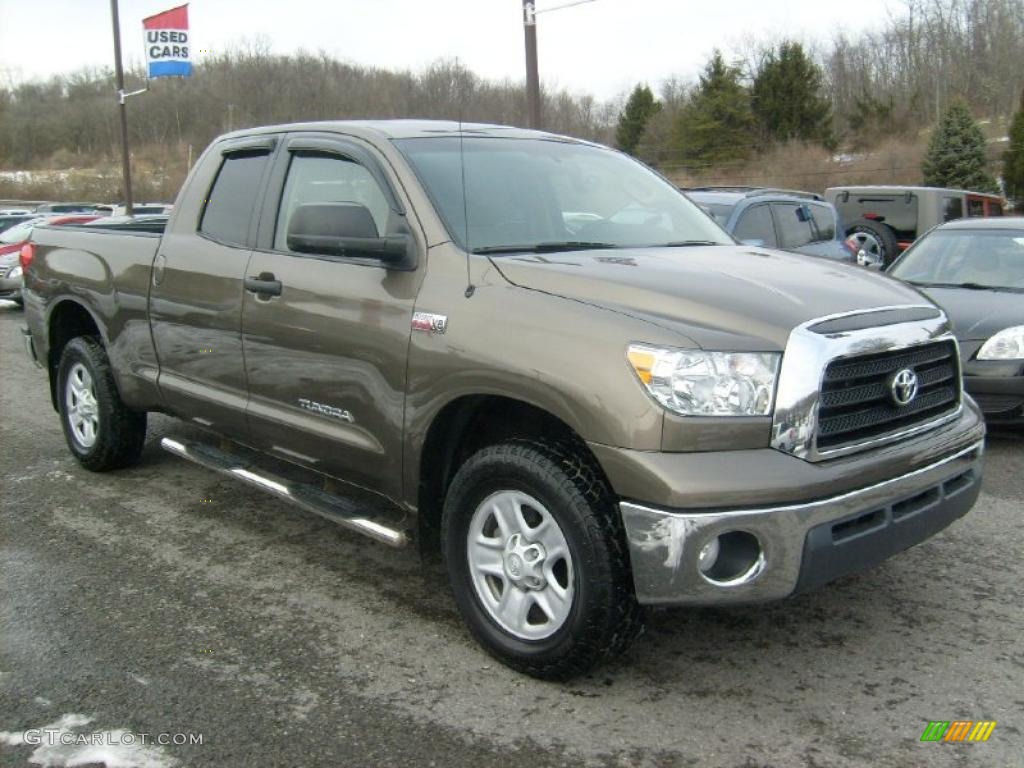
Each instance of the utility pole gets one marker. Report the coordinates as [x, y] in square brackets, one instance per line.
[126, 166]
[530, 14]
[532, 74]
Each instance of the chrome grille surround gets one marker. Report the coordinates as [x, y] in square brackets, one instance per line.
[808, 354]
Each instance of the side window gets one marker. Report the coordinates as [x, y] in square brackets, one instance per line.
[320, 178]
[953, 208]
[233, 197]
[793, 233]
[975, 207]
[824, 222]
[756, 224]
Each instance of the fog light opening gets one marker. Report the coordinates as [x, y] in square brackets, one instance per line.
[731, 559]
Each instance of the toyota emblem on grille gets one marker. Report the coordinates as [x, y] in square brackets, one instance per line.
[904, 387]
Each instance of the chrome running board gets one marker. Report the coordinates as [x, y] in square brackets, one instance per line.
[345, 512]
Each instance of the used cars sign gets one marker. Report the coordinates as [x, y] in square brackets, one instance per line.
[167, 48]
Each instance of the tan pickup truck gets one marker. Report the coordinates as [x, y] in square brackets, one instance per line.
[528, 352]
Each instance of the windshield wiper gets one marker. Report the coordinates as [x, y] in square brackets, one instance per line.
[685, 244]
[568, 245]
[969, 286]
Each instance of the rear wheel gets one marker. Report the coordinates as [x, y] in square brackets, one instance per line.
[876, 241]
[537, 559]
[100, 430]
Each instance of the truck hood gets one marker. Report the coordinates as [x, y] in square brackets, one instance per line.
[719, 297]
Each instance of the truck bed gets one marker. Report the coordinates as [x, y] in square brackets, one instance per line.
[107, 270]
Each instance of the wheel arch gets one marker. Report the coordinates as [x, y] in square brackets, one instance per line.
[66, 320]
[463, 426]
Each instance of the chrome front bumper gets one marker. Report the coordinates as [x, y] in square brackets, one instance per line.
[800, 544]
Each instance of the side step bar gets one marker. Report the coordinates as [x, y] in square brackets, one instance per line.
[335, 508]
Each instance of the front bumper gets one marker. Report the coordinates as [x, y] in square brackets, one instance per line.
[998, 388]
[802, 545]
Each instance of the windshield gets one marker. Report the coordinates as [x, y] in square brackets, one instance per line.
[971, 258]
[535, 194]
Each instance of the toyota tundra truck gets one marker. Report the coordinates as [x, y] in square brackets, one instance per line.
[527, 353]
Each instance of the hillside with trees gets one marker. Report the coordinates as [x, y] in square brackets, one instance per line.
[795, 113]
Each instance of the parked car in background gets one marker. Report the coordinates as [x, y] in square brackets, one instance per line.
[72, 208]
[884, 221]
[974, 269]
[14, 211]
[8, 220]
[11, 242]
[141, 209]
[777, 218]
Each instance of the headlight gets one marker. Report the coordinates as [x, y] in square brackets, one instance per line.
[1008, 344]
[16, 272]
[692, 382]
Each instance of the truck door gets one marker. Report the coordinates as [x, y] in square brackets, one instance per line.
[326, 347]
[196, 295]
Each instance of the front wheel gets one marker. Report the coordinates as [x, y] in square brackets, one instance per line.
[537, 559]
[101, 431]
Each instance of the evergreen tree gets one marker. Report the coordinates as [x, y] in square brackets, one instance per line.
[956, 154]
[716, 125]
[1013, 159]
[786, 97]
[640, 108]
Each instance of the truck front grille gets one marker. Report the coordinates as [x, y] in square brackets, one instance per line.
[857, 404]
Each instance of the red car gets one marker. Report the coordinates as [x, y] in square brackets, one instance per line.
[11, 242]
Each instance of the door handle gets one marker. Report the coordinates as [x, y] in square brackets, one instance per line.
[265, 284]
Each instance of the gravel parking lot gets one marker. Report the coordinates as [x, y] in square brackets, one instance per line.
[166, 599]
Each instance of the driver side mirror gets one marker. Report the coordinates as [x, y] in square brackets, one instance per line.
[346, 229]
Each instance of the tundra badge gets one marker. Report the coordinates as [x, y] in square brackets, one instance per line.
[327, 410]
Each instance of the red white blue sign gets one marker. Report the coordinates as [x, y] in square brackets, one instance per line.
[167, 47]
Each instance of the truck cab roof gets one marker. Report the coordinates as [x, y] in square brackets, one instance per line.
[406, 129]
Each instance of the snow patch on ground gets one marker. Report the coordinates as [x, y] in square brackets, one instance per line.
[114, 749]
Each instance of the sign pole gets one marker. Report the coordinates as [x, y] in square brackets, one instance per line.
[126, 167]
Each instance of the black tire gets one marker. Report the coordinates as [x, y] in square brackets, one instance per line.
[121, 432]
[883, 234]
[604, 617]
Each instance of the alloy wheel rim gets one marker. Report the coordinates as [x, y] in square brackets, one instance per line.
[520, 565]
[82, 409]
[869, 244]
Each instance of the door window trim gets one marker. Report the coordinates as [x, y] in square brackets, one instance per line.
[256, 145]
[342, 147]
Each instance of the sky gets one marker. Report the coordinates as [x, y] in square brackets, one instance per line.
[603, 47]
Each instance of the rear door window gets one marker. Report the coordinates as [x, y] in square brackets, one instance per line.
[975, 207]
[756, 224]
[794, 225]
[232, 198]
